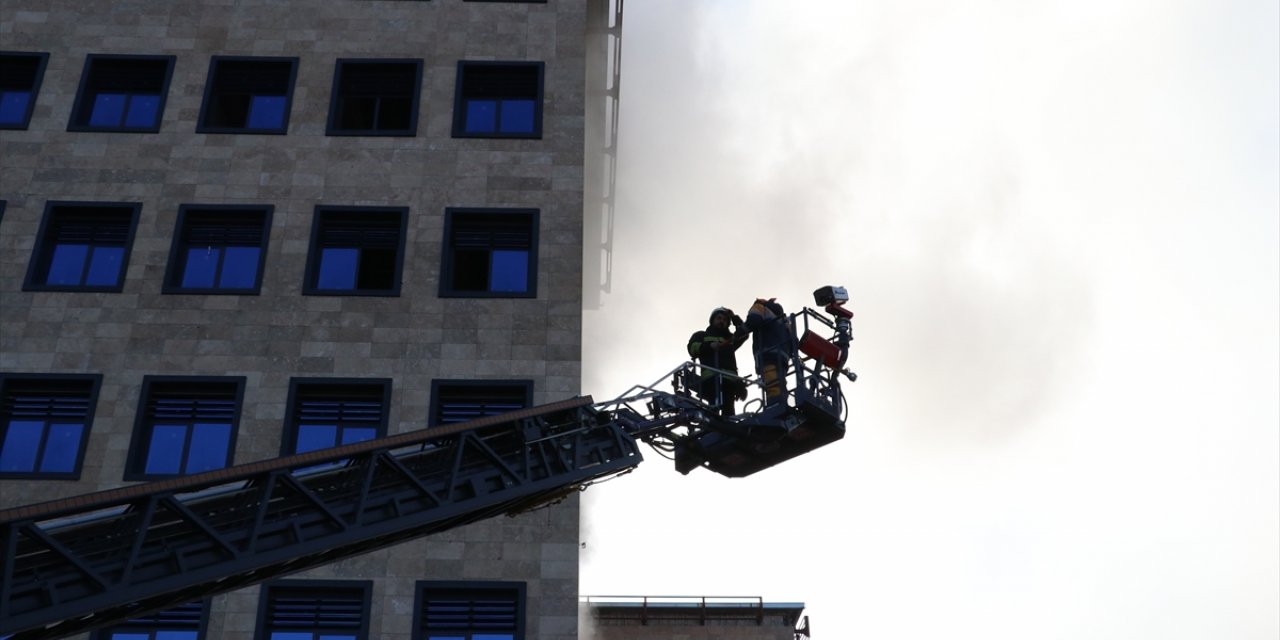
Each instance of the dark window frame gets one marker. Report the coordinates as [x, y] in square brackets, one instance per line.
[316, 589]
[144, 426]
[438, 387]
[213, 91]
[195, 214]
[82, 110]
[294, 413]
[464, 92]
[42, 63]
[467, 591]
[177, 618]
[49, 380]
[326, 215]
[42, 253]
[449, 267]
[343, 73]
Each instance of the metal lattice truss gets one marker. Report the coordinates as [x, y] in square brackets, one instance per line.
[81, 563]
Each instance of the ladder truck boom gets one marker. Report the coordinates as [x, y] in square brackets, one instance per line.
[81, 563]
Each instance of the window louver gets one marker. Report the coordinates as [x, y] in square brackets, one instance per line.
[259, 77]
[48, 399]
[214, 403]
[460, 403]
[378, 79]
[476, 610]
[331, 609]
[134, 76]
[186, 616]
[224, 233]
[495, 235]
[104, 229]
[360, 233]
[349, 407]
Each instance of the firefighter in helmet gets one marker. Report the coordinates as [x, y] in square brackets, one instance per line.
[714, 348]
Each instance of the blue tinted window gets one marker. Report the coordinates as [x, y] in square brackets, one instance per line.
[498, 99]
[61, 448]
[122, 93]
[21, 442]
[328, 636]
[13, 106]
[338, 268]
[218, 248]
[240, 268]
[177, 635]
[202, 265]
[129, 636]
[490, 253]
[83, 246]
[184, 427]
[316, 436]
[510, 271]
[266, 112]
[492, 636]
[43, 423]
[104, 266]
[358, 434]
[164, 456]
[208, 447]
[517, 116]
[291, 635]
[144, 111]
[482, 116]
[67, 264]
[108, 109]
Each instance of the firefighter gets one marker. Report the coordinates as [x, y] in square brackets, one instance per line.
[715, 347]
[772, 343]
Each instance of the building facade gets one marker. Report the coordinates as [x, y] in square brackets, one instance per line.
[238, 229]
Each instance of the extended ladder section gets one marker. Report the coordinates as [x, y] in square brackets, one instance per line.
[80, 563]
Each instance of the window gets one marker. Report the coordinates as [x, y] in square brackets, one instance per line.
[326, 412]
[469, 611]
[44, 424]
[122, 93]
[375, 98]
[454, 401]
[248, 95]
[218, 249]
[498, 100]
[183, 622]
[314, 610]
[20, 76]
[185, 425]
[490, 253]
[82, 246]
[356, 251]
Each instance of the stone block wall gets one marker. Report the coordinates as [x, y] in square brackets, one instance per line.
[269, 338]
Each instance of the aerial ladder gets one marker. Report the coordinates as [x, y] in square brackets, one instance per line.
[90, 561]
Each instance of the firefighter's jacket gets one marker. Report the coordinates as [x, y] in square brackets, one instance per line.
[702, 347]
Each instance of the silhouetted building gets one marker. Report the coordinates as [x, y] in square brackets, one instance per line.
[235, 230]
[692, 618]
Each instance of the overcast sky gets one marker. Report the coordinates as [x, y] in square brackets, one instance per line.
[1059, 223]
